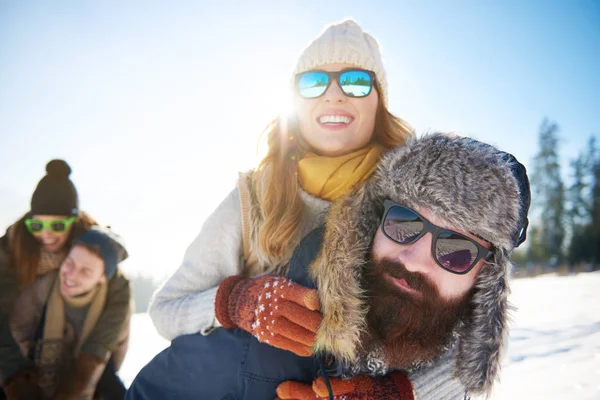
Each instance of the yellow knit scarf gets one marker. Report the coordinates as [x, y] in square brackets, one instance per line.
[331, 177]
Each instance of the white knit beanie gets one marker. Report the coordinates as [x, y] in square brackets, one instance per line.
[345, 43]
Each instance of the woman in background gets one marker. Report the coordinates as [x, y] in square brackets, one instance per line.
[33, 246]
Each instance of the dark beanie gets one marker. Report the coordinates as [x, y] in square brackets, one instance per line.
[107, 243]
[55, 194]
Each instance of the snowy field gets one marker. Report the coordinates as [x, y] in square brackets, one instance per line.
[554, 350]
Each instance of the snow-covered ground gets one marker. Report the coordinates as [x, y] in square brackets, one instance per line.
[554, 350]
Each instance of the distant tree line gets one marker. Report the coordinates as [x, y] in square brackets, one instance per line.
[142, 287]
[565, 220]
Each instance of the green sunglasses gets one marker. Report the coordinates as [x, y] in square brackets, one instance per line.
[56, 226]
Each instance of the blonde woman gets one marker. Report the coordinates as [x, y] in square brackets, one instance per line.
[334, 140]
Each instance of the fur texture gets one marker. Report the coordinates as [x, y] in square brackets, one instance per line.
[258, 263]
[466, 182]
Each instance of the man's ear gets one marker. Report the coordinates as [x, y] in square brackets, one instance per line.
[103, 278]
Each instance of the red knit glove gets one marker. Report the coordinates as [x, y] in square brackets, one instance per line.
[272, 308]
[395, 385]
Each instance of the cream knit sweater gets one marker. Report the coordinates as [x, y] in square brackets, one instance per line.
[184, 304]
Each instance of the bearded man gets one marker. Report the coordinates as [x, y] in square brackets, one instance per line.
[411, 272]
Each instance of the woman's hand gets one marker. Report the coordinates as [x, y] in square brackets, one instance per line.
[273, 309]
[395, 385]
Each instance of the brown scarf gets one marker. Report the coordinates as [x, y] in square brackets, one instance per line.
[49, 351]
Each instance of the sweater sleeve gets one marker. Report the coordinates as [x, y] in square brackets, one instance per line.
[437, 381]
[184, 304]
[108, 330]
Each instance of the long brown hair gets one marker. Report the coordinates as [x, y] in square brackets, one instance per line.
[24, 249]
[276, 174]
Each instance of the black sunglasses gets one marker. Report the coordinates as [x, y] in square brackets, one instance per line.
[451, 250]
[353, 82]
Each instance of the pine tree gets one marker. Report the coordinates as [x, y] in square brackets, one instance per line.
[579, 210]
[594, 226]
[584, 213]
[535, 250]
[549, 193]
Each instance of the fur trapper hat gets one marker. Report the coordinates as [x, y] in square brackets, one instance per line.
[470, 184]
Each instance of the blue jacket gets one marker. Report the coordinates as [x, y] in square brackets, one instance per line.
[229, 364]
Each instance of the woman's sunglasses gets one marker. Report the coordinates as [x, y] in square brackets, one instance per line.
[452, 251]
[353, 82]
[56, 226]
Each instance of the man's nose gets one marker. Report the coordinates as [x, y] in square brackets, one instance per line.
[334, 93]
[69, 273]
[417, 257]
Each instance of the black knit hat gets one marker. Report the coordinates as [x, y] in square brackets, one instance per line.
[55, 194]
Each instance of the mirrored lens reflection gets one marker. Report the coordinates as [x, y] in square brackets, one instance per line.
[402, 225]
[455, 252]
[356, 83]
[452, 250]
[312, 84]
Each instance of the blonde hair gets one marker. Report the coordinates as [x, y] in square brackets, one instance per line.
[278, 186]
[24, 249]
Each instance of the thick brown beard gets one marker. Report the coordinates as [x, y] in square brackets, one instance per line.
[408, 328]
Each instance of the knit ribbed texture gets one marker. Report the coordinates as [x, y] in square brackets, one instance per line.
[437, 381]
[345, 43]
[330, 178]
[185, 303]
[222, 301]
[273, 309]
[395, 385]
[55, 194]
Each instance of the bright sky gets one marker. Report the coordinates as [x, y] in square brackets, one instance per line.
[156, 105]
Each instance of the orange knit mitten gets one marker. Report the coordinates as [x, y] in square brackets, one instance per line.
[272, 308]
[395, 385]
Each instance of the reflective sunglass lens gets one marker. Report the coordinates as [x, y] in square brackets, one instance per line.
[356, 83]
[455, 252]
[58, 226]
[312, 84]
[402, 225]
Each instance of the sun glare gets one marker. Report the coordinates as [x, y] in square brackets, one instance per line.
[264, 107]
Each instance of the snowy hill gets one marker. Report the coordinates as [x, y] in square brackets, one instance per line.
[554, 349]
